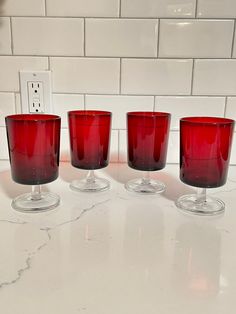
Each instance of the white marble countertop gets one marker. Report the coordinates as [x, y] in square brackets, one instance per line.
[116, 252]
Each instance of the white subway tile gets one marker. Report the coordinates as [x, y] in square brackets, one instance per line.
[233, 151]
[48, 36]
[121, 37]
[114, 146]
[23, 8]
[173, 148]
[65, 146]
[119, 105]
[85, 75]
[3, 144]
[5, 36]
[63, 103]
[158, 8]
[216, 8]
[189, 106]
[196, 38]
[10, 67]
[7, 106]
[83, 8]
[214, 77]
[122, 146]
[160, 77]
[231, 108]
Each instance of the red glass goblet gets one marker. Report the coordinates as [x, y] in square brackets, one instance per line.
[205, 145]
[89, 146]
[33, 143]
[148, 134]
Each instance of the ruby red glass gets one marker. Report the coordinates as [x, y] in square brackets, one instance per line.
[34, 142]
[89, 146]
[147, 134]
[205, 146]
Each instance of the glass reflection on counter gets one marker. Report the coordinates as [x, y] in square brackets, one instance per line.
[197, 259]
[143, 240]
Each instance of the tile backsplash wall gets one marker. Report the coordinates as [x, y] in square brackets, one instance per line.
[122, 55]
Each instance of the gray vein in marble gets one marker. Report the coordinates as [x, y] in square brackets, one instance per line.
[28, 262]
[31, 255]
[19, 273]
[121, 197]
[13, 222]
[223, 191]
[76, 218]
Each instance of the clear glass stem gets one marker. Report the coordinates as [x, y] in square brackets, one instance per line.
[201, 196]
[146, 178]
[90, 177]
[36, 192]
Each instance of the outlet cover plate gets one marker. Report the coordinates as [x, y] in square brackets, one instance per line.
[44, 77]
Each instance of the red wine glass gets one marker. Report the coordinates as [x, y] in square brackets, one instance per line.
[205, 146]
[148, 134]
[89, 132]
[33, 143]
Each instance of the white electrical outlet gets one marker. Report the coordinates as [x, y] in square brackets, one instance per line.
[36, 97]
[36, 94]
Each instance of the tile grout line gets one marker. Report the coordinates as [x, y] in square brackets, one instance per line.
[11, 33]
[84, 38]
[174, 58]
[158, 37]
[85, 100]
[45, 7]
[116, 129]
[193, 68]
[125, 18]
[120, 76]
[135, 95]
[173, 131]
[131, 95]
[233, 40]
[196, 9]
[225, 108]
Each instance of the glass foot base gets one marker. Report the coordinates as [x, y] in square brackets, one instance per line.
[191, 204]
[150, 187]
[25, 203]
[85, 185]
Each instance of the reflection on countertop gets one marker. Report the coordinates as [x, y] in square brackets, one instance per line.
[115, 251]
